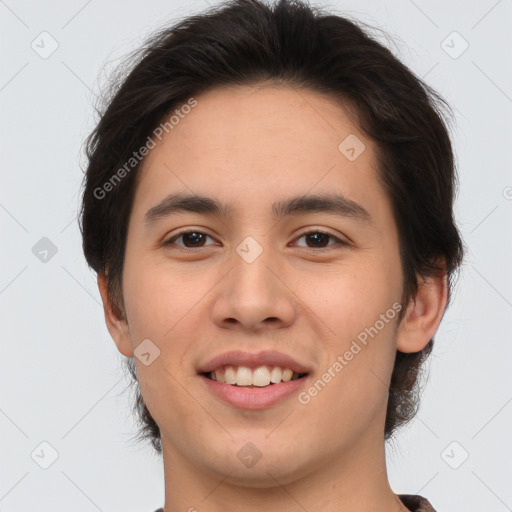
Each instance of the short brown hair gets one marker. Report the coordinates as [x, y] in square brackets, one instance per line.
[246, 42]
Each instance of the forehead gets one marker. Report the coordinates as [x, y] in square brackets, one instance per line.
[271, 141]
[248, 121]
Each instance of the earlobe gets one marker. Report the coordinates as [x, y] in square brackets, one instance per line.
[117, 327]
[424, 314]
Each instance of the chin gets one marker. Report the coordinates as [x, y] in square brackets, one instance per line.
[262, 476]
[253, 468]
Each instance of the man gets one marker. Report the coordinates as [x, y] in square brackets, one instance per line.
[269, 208]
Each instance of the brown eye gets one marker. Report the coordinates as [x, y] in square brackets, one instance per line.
[190, 239]
[319, 240]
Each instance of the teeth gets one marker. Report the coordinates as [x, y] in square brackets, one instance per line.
[287, 374]
[229, 375]
[276, 374]
[261, 376]
[243, 376]
[220, 376]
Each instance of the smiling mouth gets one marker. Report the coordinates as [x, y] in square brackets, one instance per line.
[259, 377]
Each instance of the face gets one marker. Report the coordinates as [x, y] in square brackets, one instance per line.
[309, 288]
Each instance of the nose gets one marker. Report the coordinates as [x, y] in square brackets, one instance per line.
[254, 296]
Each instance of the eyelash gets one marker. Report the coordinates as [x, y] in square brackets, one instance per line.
[170, 242]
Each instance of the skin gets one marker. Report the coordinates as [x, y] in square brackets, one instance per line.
[251, 146]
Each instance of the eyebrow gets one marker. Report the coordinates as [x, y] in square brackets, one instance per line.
[325, 203]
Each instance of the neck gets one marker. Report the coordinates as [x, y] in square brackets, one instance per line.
[356, 481]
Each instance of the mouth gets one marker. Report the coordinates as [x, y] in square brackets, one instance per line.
[253, 380]
[259, 377]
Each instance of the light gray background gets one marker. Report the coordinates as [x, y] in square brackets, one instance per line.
[61, 379]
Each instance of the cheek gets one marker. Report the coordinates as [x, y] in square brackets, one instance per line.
[351, 400]
[160, 298]
[166, 305]
[349, 298]
[358, 306]
[354, 381]
[176, 411]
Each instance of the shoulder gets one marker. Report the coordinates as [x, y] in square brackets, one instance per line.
[415, 503]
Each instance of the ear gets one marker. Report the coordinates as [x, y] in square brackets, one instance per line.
[424, 314]
[117, 327]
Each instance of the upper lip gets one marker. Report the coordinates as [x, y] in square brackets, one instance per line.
[253, 360]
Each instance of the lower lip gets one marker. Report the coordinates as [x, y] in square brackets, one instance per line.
[253, 398]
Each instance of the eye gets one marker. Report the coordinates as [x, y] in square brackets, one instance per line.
[191, 238]
[196, 239]
[320, 239]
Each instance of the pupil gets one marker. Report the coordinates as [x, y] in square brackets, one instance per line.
[196, 237]
[318, 235]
